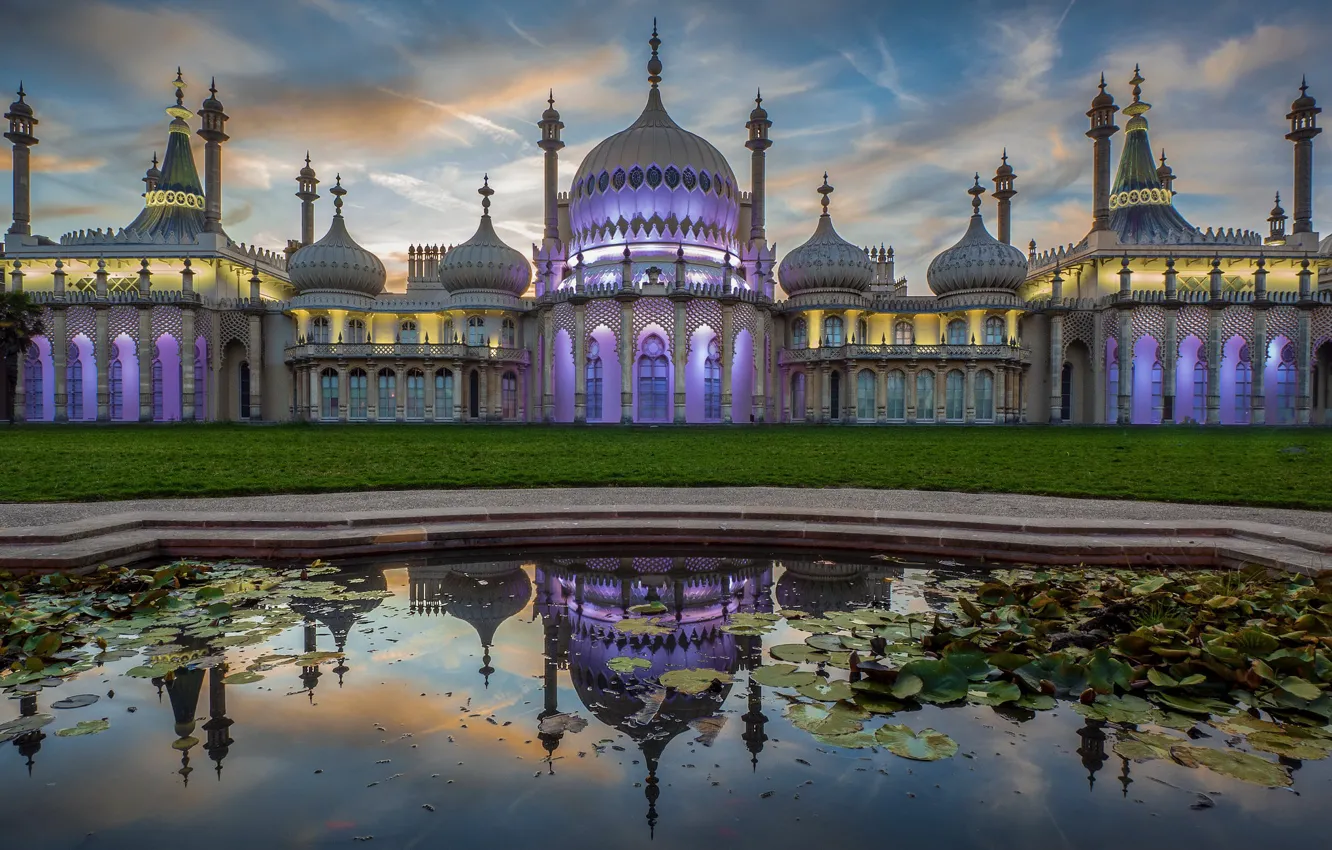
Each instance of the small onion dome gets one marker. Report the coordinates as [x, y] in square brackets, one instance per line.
[1301, 103]
[1004, 169]
[484, 261]
[21, 107]
[153, 173]
[759, 113]
[306, 170]
[336, 262]
[1103, 99]
[826, 261]
[551, 113]
[211, 103]
[978, 260]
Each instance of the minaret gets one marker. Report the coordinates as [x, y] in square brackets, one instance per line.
[21, 123]
[1166, 175]
[758, 143]
[306, 181]
[152, 177]
[1102, 115]
[1276, 224]
[213, 132]
[1003, 193]
[1304, 127]
[550, 142]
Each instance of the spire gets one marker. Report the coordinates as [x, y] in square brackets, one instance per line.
[975, 192]
[1166, 174]
[825, 190]
[654, 64]
[178, 111]
[337, 192]
[1138, 106]
[1141, 200]
[485, 192]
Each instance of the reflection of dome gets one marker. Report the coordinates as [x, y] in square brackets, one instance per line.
[486, 599]
[826, 260]
[484, 261]
[654, 176]
[336, 262]
[340, 616]
[978, 261]
[817, 587]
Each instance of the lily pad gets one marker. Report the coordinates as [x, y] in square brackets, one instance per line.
[1121, 709]
[1064, 675]
[642, 626]
[816, 626]
[76, 701]
[558, 724]
[825, 643]
[1037, 702]
[1245, 767]
[840, 719]
[797, 653]
[649, 608]
[850, 740]
[782, 676]
[1144, 746]
[926, 745]
[243, 678]
[22, 725]
[825, 690]
[940, 682]
[1305, 749]
[694, 681]
[628, 663]
[993, 693]
[85, 727]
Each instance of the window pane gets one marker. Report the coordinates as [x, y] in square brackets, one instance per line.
[925, 397]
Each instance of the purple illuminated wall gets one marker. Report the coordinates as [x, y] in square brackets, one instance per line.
[562, 373]
[742, 377]
[168, 354]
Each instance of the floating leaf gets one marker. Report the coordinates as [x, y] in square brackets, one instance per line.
[1305, 749]
[907, 685]
[76, 701]
[940, 682]
[628, 663]
[85, 727]
[1121, 709]
[782, 676]
[694, 681]
[849, 740]
[1036, 702]
[22, 725]
[649, 608]
[927, 745]
[993, 693]
[244, 678]
[1066, 676]
[1106, 673]
[825, 643]
[645, 627]
[558, 724]
[816, 626]
[826, 691]
[840, 719]
[1245, 767]
[1144, 746]
[797, 653]
[1300, 688]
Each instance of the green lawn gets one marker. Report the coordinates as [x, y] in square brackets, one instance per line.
[1274, 467]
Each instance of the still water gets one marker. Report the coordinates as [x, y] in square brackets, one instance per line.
[426, 731]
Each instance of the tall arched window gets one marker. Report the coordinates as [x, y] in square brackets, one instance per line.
[800, 333]
[984, 396]
[903, 334]
[415, 394]
[862, 331]
[476, 331]
[358, 394]
[408, 332]
[33, 386]
[957, 332]
[115, 386]
[1243, 386]
[595, 382]
[508, 334]
[1158, 397]
[865, 396]
[897, 395]
[509, 395]
[474, 394]
[832, 331]
[74, 382]
[244, 382]
[387, 408]
[994, 331]
[328, 394]
[1200, 389]
[954, 396]
[356, 331]
[449, 335]
[443, 394]
[653, 370]
[321, 330]
[798, 397]
[158, 389]
[1066, 393]
[925, 396]
[712, 394]
[1286, 386]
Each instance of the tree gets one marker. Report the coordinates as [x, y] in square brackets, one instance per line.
[20, 321]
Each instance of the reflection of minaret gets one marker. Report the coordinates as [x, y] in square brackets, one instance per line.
[1124, 778]
[482, 594]
[183, 690]
[339, 616]
[218, 725]
[652, 791]
[310, 673]
[553, 624]
[754, 720]
[1092, 749]
[29, 743]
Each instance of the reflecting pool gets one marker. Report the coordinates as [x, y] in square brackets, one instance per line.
[503, 700]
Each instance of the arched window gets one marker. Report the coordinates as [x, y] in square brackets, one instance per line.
[832, 331]
[508, 334]
[33, 386]
[321, 330]
[328, 394]
[800, 333]
[897, 395]
[862, 331]
[244, 382]
[712, 393]
[1243, 386]
[835, 395]
[356, 331]
[798, 397]
[476, 331]
[388, 396]
[158, 388]
[408, 332]
[865, 396]
[1158, 397]
[115, 386]
[1200, 389]
[449, 335]
[985, 396]
[1066, 392]
[509, 395]
[957, 332]
[415, 394]
[925, 396]
[474, 394]
[1286, 386]
[74, 382]
[903, 334]
[443, 394]
[994, 331]
[595, 382]
[653, 370]
[358, 386]
[954, 398]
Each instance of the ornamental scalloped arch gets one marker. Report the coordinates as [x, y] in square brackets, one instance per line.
[744, 317]
[167, 320]
[562, 319]
[234, 326]
[1237, 321]
[1079, 327]
[1192, 322]
[1282, 321]
[602, 311]
[122, 320]
[658, 311]
[1321, 327]
[700, 312]
[1148, 320]
[81, 319]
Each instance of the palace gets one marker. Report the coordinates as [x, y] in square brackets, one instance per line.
[655, 296]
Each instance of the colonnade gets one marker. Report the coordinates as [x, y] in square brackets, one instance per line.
[1007, 403]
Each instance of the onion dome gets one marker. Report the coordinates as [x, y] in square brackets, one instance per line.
[211, 103]
[1303, 102]
[826, 261]
[336, 263]
[654, 175]
[978, 261]
[1104, 99]
[551, 113]
[306, 171]
[153, 176]
[758, 113]
[484, 262]
[174, 210]
[22, 107]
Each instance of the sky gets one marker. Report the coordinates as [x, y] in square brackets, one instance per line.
[900, 102]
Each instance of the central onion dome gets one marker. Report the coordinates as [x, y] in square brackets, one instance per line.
[653, 181]
[826, 261]
[336, 263]
[978, 261]
[484, 262]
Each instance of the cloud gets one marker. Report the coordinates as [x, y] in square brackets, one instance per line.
[522, 33]
[885, 75]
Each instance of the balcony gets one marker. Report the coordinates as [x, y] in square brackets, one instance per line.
[828, 354]
[403, 351]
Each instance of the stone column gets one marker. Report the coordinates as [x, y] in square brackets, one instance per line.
[147, 353]
[344, 393]
[256, 368]
[881, 394]
[626, 352]
[315, 410]
[825, 394]
[430, 414]
[1056, 368]
[941, 392]
[1124, 349]
[969, 394]
[187, 387]
[1258, 360]
[547, 370]
[1000, 401]
[1213, 367]
[580, 362]
[760, 395]
[483, 391]
[400, 395]
[102, 352]
[679, 355]
[909, 400]
[1304, 344]
[459, 381]
[727, 337]
[1169, 367]
[59, 356]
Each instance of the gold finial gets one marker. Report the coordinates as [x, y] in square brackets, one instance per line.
[1138, 106]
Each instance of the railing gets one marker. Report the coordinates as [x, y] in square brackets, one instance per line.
[903, 352]
[403, 351]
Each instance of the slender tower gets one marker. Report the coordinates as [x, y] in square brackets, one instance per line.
[1003, 193]
[758, 143]
[152, 177]
[213, 132]
[1304, 127]
[550, 142]
[1102, 115]
[21, 124]
[1166, 175]
[306, 181]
